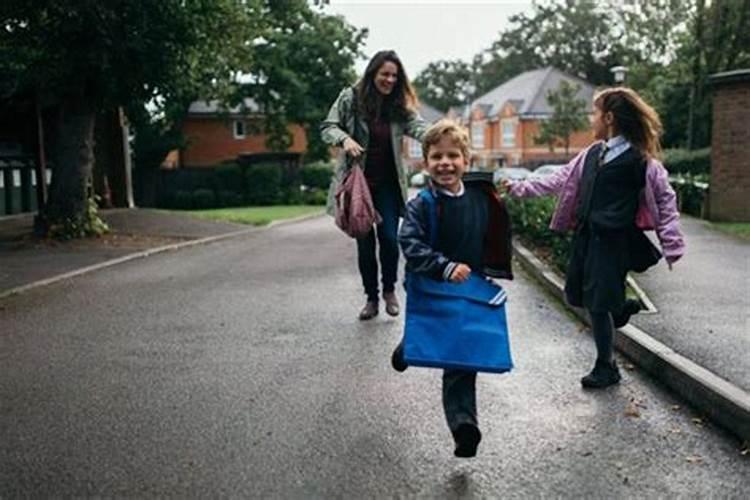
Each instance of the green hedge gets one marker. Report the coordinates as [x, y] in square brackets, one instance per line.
[316, 175]
[530, 218]
[232, 185]
[263, 184]
[685, 161]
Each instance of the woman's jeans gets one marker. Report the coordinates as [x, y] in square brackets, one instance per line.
[387, 200]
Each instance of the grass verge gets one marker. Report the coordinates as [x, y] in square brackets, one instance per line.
[255, 216]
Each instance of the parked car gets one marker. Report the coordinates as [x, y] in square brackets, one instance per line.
[545, 170]
[418, 180]
[510, 173]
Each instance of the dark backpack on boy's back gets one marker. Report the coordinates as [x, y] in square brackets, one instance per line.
[459, 326]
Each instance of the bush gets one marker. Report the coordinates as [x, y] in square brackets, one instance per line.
[531, 218]
[316, 175]
[204, 198]
[230, 199]
[315, 197]
[229, 177]
[685, 161]
[263, 184]
[291, 195]
[183, 200]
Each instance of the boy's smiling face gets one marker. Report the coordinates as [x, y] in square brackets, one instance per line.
[446, 164]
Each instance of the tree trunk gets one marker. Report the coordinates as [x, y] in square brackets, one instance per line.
[74, 159]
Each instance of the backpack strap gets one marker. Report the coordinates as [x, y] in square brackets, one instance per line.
[430, 201]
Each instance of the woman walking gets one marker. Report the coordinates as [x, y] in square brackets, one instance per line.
[368, 121]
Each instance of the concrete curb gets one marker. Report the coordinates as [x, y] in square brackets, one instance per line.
[151, 251]
[715, 397]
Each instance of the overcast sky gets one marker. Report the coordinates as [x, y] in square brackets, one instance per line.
[423, 31]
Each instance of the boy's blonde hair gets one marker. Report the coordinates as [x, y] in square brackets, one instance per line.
[635, 119]
[446, 128]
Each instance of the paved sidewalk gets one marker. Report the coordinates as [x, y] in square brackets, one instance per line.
[704, 303]
[24, 260]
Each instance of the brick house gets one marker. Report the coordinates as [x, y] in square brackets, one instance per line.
[214, 135]
[412, 149]
[730, 147]
[504, 122]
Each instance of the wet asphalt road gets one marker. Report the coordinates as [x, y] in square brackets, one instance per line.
[238, 369]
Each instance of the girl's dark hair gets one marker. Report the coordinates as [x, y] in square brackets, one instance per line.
[399, 104]
[634, 118]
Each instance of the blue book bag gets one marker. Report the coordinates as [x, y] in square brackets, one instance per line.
[460, 326]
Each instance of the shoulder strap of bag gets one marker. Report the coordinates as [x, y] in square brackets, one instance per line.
[432, 214]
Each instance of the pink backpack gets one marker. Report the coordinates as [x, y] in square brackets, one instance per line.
[355, 211]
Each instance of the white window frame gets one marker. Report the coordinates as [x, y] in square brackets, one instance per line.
[415, 148]
[239, 129]
[508, 140]
[477, 135]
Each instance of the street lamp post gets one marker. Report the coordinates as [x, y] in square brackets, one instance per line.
[619, 73]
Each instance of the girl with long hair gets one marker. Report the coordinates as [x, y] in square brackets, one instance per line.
[609, 194]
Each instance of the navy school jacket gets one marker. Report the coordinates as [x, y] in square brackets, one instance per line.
[414, 235]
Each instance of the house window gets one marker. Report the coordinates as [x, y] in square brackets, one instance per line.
[477, 135]
[415, 149]
[509, 133]
[239, 129]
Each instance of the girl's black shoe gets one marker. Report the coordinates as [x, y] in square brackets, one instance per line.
[603, 375]
[467, 438]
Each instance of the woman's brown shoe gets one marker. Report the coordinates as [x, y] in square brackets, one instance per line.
[391, 303]
[369, 311]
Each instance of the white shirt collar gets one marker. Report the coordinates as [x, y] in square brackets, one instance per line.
[452, 194]
[618, 140]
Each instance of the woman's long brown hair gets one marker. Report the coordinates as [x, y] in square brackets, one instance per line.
[399, 104]
[634, 118]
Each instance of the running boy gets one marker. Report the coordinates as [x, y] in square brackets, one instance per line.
[473, 237]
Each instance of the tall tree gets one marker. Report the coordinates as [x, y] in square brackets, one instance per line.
[303, 58]
[446, 83]
[568, 116]
[581, 37]
[88, 55]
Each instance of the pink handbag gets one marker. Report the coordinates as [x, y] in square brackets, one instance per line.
[355, 211]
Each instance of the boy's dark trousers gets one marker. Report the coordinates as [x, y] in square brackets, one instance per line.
[387, 200]
[459, 398]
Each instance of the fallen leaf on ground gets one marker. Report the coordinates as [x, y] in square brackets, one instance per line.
[698, 421]
[694, 459]
[632, 411]
[675, 430]
[675, 407]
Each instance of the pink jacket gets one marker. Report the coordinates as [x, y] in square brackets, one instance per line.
[657, 209]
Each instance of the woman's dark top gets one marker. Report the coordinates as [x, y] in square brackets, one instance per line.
[380, 168]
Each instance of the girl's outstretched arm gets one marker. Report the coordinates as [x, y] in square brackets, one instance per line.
[551, 184]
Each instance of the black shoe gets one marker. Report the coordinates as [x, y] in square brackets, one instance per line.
[397, 358]
[603, 375]
[467, 438]
[369, 311]
[630, 308]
